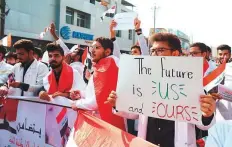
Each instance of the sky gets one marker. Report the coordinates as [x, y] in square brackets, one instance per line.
[208, 21]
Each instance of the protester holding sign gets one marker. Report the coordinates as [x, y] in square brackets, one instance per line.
[101, 83]
[164, 132]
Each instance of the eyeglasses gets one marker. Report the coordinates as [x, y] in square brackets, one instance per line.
[159, 50]
[95, 47]
[194, 53]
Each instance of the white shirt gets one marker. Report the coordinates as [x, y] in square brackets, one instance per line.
[5, 70]
[78, 66]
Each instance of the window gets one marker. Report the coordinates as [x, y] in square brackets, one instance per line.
[83, 19]
[69, 15]
[92, 1]
[130, 34]
[118, 33]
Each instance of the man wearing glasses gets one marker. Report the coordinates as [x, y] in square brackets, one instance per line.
[199, 49]
[165, 132]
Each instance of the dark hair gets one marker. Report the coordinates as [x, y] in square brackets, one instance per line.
[106, 43]
[79, 52]
[200, 45]
[38, 51]
[54, 47]
[137, 47]
[23, 43]
[2, 50]
[224, 47]
[11, 55]
[209, 49]
[172, 40]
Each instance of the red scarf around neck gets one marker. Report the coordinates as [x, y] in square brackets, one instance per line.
[105, 79]
[65, 81]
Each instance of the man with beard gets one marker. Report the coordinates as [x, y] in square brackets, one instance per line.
[62, 79]
[223, 52]
[162, 132]
[103, 80]
[28, 74]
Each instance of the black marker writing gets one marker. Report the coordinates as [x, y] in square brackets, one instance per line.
[142, 69]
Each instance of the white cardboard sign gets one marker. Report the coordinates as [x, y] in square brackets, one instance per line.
[125, 21]
[162, 87]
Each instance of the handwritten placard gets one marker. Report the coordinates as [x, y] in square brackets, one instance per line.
[162, 87]
[225, 92]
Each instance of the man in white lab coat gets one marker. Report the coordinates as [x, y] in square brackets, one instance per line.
[28, 75]
[167, 133]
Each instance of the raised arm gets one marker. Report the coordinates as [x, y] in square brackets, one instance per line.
[116, 52]
[141, 39]
[58, 40]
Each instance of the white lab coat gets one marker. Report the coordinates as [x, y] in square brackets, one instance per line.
[220, 135]
[224, 107]
[5, 70]
[34, 77]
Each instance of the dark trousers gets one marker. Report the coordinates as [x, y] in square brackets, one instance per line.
[131, 127]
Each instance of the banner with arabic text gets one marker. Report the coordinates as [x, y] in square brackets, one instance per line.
[32, 123]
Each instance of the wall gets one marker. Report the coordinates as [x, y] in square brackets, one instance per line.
[27, 18]
[97, 28]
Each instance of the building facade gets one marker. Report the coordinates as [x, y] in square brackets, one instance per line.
[77, 21]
